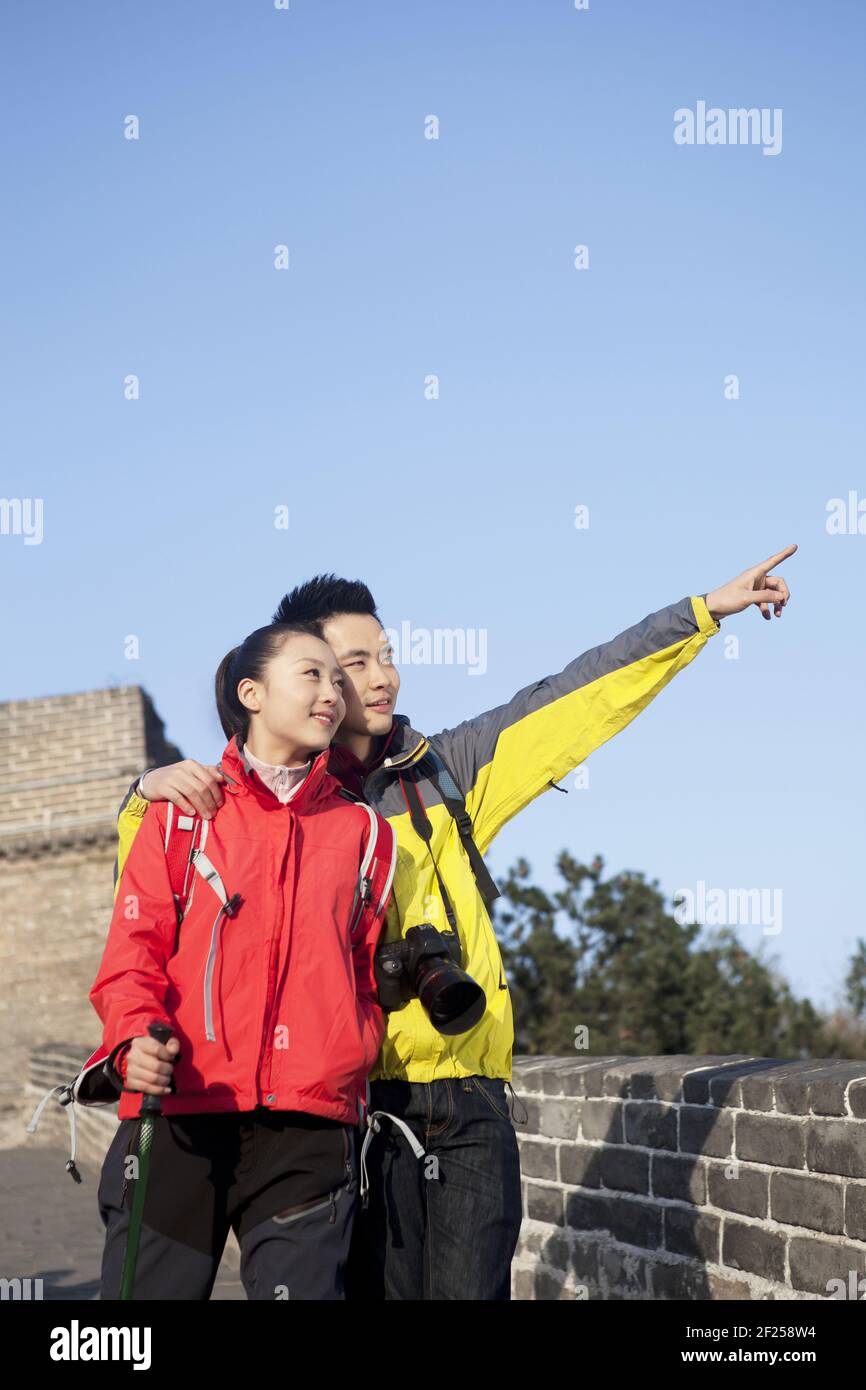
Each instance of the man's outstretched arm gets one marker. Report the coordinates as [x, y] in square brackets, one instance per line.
[505, 758]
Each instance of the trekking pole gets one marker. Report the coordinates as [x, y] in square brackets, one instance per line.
[151, 1108]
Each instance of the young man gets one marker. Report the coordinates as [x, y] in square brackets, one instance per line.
[447, 1229]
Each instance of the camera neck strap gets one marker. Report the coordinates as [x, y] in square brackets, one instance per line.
[456, 808]
[421, 825]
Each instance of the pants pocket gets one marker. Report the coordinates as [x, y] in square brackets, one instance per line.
[297, 1213]
[493, 1091]
[113, 1182]
[318, 1204]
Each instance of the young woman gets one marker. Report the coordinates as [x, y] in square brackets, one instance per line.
[252, 937]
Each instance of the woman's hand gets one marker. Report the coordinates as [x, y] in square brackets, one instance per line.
[149, 1065]
[195, 788]
[754, 585]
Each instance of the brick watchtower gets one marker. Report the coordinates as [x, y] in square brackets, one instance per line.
[65, 764]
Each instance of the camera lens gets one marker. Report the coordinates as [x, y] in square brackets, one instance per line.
[451, 998]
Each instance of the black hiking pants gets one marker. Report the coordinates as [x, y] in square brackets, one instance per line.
[283, 1181]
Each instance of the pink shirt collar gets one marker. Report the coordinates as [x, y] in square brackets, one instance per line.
[282, 781]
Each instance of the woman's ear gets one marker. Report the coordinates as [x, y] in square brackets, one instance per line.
[250, 695]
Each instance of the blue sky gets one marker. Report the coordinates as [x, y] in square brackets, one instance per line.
[408, 257]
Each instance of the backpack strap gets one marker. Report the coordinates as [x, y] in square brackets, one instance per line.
[452, 799]
[183, 834]
[376, 873]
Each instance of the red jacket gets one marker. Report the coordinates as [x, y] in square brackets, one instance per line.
[276, 1005]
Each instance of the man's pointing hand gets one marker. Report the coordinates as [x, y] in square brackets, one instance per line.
[755, 585]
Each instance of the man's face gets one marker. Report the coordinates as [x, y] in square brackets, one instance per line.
[364, 652]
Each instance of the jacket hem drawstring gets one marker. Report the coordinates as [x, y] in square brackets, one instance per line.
[65, 1097]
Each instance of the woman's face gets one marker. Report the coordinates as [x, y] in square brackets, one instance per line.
[299, 701]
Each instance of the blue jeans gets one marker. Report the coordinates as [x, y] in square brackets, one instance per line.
[444, 1226]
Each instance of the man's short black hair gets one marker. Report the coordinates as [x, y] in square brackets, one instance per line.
[323, 597]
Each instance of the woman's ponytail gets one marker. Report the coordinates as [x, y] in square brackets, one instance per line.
[232, 715]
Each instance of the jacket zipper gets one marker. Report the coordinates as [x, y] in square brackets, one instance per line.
[209, 974]
[228, 908]
[270, 995]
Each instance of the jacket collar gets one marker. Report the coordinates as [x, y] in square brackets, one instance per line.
[243, 781]
[401, 748]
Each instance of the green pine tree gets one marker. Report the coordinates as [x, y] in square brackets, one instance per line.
[608, 957]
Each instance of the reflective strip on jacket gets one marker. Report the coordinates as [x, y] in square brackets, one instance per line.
[501, 760]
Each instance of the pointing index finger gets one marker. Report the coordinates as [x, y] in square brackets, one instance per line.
[777, 559]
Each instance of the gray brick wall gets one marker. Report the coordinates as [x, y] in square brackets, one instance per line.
[66, 760]
[653, 1177]
[691, 1178]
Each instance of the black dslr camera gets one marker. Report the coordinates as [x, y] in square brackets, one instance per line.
[426, 963]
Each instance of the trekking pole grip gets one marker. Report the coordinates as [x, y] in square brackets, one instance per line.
[152, 1105]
